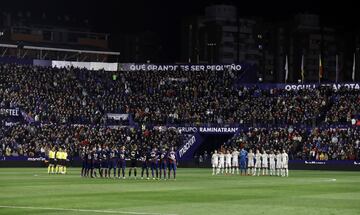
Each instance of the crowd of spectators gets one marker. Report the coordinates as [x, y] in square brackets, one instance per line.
[80, 96]
[257, 107]
[70, 106]
[345, 108]
[305, 144]
[35, 141]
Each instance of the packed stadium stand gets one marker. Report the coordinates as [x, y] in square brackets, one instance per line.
[69, 106]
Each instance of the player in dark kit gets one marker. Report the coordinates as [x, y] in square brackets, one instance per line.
[114, 157]
[144, 164]
[172, 162]
[122, 162]
[84, 157]
[154, 158]
[96, 162]
[163, 162]
[90, 164]
[134, 155]
[105, 159]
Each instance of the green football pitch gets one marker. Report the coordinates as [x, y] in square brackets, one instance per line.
[196, 191]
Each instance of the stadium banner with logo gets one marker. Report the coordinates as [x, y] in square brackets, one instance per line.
[207, 130]
[22, 158]
[117, 116]
[10, 116]
[196, 136]
[191, 144]
[176, 67]
[290, 87]
[9, 112]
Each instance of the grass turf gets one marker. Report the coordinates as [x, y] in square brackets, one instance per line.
[194, 192]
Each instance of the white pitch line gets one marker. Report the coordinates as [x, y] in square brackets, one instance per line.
[81, 210]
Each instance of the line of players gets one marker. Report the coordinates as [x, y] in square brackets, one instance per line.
[57, 160]
[100, 162]
[274, 164]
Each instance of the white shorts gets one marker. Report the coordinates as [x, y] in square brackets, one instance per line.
[221, 165]
[285, 166]
[258, 165]
[251, 164]
[235, 164]
[264, 165]
[272, 165]
[228, 164]
[279, 166]
[214, 165]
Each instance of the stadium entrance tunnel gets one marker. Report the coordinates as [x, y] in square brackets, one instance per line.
[210, 142]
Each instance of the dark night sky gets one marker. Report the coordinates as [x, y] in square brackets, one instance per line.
[164, 17]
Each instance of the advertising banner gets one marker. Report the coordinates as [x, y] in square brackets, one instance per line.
[10, 116]
[208, 130]
[116, 116]
[290, 87]
[187, 150]
[175, 67]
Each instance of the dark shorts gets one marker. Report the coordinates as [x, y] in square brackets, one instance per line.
[172, 166]
[154, 165]
[89, 164]
[121, 164]
[113, 163]
[51, 161]
[163, 165]
[144, 165]
[96, 164]
[133, 163]
[243, 164]
[62, 162]
[104, 164]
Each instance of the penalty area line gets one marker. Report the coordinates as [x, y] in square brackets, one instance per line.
[81, 210]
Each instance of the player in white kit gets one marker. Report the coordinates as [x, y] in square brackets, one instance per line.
[257, 163]
[272, 163]
[215, 161]
[285, 161]
[235, 161]
[228, 162]
[221, 163]
[251, 162]
[278, 163]
[264, 163]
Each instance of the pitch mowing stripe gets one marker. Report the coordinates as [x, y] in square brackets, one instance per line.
[82, 210]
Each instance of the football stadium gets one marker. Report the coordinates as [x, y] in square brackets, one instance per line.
[182, 108]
